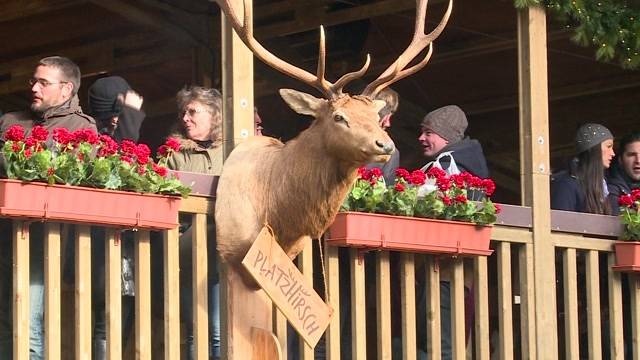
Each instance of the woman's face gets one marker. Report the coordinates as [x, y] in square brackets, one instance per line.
[196, 120]
[607, 152]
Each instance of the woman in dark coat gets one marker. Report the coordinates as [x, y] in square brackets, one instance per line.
[582, 188]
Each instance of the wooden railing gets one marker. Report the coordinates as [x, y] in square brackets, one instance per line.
[377, 296]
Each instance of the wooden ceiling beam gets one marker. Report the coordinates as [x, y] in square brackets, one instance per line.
[110, 55]
[337, 17]
[13, 10]
[137, 15]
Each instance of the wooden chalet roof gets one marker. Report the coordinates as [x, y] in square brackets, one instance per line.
[159, 46]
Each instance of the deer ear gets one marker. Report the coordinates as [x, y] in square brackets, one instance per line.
[379, 104]
[302, 103]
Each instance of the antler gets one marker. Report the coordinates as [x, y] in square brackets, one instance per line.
[420, 41]
[244, 29]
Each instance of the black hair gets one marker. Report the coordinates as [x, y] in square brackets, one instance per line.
[588, 169]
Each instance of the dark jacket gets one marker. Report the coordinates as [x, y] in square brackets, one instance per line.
[388, 168]
[68, 115]
[468, 156]
[566, 193]
[194, 158]
[619, 183]
[129, 123]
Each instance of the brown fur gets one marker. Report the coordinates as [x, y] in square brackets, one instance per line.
[296, 187]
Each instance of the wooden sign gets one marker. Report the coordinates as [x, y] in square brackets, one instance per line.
[287, 287]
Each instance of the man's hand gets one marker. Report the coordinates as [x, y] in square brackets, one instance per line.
[131, 99]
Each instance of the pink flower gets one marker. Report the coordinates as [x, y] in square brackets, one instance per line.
[14, 133]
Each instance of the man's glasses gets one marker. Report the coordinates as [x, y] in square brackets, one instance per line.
[44, 83]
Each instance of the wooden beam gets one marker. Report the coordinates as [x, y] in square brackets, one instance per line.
[109, 55]
[137, 15]
[13, 10]
[376, 9]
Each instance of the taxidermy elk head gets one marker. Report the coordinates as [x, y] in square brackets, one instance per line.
[298, 187]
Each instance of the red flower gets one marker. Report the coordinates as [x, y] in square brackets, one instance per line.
[142, 170]
[160, 170]
[489, 186]
[364, 174]
[626, 200]
[62, 136]
[447, 200]
[107, 146]
[635, 193]
[15, 147]
[444, 183]
[399, 187]
[417, 177]
[14, 133]
[403, 174]
[461, 199]
[27, 153]
[376, 173]
[498, 208]
[39, 133]
[50, 171]
[435, 172]
[173, 144]
[30, 141]
[126, 158]
[142, 154]
[128, 147]
[86, 135]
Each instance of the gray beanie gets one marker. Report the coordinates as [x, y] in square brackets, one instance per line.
[590, 135]
[449, 122]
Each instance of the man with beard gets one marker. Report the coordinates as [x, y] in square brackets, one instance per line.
[624, 174]
[54, 104]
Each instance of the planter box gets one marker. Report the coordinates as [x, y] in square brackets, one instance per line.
[627, 256]
[377, 231]
[87, 205]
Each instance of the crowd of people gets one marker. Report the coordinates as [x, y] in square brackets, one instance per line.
[591, 183]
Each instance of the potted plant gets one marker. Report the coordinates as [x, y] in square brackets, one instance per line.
[82, 177]
[420, 212]
[628, 250]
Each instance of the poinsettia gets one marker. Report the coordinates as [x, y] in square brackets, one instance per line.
[629, 215]
[434, 194]
[85, 158]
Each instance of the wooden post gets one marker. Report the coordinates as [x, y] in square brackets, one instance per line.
[143, 296]
[383, 304]
[305, 264]
[20, 290]
[52, 291]
[237, 85]
[171, 267]
[333, 292]
[534, 166]
[83, 293]
[200, 286]
[113, 293]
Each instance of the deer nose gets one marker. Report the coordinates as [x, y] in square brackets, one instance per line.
[387, 147]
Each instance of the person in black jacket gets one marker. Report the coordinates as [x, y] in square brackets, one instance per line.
[582, 187]
[116, 108]
[624, 174]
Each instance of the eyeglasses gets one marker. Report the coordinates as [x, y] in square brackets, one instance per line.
[44, 83]
[192, 111]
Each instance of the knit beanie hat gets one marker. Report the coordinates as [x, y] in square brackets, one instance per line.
[103, 97]
[590, 135]
[449, 122]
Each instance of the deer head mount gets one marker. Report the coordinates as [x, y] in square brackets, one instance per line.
[298, 187]
[332, 91]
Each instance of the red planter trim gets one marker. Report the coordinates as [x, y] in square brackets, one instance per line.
[87, 205]
[378, 231]
[627, 256]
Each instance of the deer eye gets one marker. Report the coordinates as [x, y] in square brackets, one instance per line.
[340, 118]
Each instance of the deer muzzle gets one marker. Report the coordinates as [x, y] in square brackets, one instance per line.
[386, 147]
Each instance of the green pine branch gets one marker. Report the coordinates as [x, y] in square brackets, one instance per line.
[610, 26]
